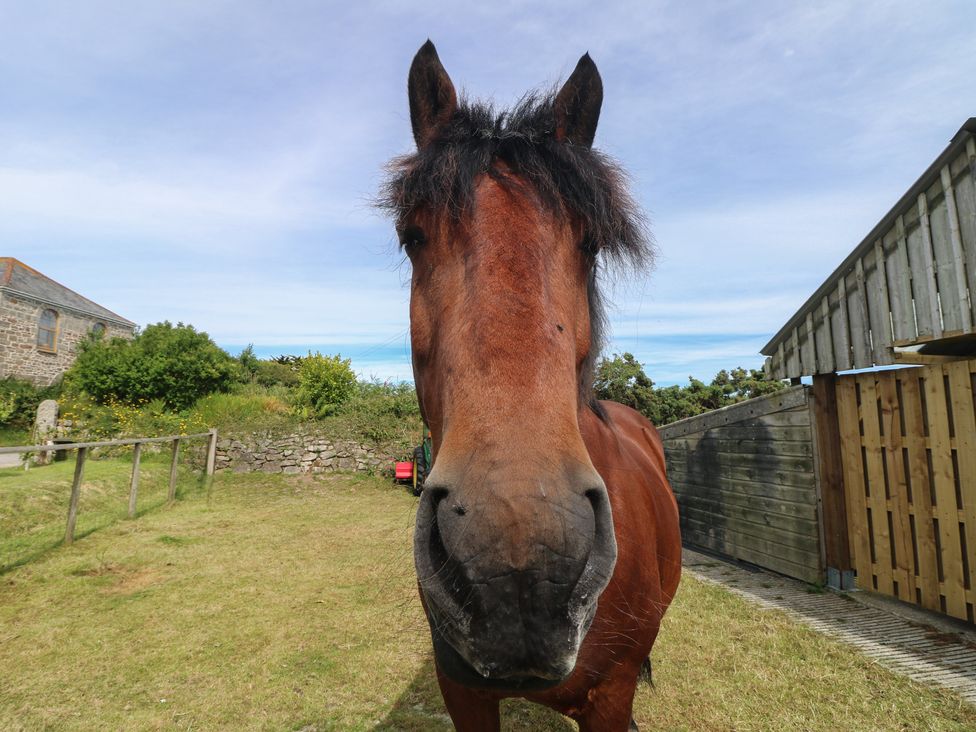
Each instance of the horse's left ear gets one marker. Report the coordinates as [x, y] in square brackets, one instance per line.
[433, 100]
[578, 104]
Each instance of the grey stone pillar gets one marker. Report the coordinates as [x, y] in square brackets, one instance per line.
[45, 429]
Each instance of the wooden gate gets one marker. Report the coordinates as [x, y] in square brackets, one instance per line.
[908, 449]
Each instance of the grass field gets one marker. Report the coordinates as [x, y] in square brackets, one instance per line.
[34, 503]
[280, 603]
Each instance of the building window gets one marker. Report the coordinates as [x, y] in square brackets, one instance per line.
[47, 331]
[98, 330]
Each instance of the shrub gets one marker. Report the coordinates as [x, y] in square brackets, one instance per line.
[382, 412]
[275, 373]
[325, 383]
[248, 364]
[176, 364]
[19, 400]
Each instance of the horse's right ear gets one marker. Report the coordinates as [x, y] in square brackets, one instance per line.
[578, 104]
[432, 98]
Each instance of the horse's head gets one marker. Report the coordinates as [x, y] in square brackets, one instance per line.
[503, 218]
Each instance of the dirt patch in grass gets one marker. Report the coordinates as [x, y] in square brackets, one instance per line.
[278, 603]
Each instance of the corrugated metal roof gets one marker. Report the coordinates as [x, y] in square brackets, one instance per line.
[19, 279]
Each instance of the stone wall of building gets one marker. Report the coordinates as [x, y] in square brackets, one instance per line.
[300, 452]
[19, 355]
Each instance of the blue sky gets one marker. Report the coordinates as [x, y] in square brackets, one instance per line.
[213, 162]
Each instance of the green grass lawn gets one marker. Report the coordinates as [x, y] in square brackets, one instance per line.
[281, 603]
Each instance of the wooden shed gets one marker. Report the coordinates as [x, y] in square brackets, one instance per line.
[907, 290]
[896, 447]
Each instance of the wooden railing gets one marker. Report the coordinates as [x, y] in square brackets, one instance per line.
[137, 442]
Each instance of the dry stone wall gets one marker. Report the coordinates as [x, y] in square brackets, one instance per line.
[300, 452]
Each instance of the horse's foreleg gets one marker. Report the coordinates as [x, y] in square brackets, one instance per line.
[470, 710]
[610, 708]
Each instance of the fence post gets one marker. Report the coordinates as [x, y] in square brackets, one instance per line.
[212, 452]
[174, 463]
[134, 483]
[69, 534]
[837, 552]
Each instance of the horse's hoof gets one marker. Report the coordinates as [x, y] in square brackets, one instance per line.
[633, 726]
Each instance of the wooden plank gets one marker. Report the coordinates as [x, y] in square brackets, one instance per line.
[964, 421]
[174, 464]
[825, 340]
[683, 481]
[760, 406]
[794, 366]
[854, 491]
[785, 530]
[757, 431]
[747, 473]
[746, 445]
[837, 550]
[877, 500]
[69, 533]
[695, 531]
[924, 359]
[809, 347]
[708, 498]
[927, 269]
[857, 308]
[921, 491]
[841, 330]
[898, 277]
[134, 481]
[879, 311]
[946, 274]
[710, 455]
[806, 572]
[904, 561]
[945, 493]
[103, 443]
[958, 256]
[966, 209]
[212, 452]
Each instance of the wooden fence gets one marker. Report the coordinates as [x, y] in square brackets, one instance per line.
[908, 448]
[82, 455]
[746, 482]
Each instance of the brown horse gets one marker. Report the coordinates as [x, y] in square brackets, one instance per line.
[546, 545]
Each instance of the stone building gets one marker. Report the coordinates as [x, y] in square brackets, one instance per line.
[41, 323]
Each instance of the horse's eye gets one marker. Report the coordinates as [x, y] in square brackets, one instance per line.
[411, 237]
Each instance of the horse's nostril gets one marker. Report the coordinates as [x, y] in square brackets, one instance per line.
[437, 494]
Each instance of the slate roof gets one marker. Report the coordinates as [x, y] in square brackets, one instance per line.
[19, 279]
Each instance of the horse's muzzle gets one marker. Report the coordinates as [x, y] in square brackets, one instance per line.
[510, 579]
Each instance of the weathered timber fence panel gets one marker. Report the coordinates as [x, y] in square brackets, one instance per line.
[746, 482]
[911, 280]
[908, 442]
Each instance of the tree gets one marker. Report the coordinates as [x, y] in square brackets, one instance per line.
[174, 363]
[325, 382]
[622, 379]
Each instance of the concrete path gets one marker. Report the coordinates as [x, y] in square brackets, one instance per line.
[9, 461]
[926, 647]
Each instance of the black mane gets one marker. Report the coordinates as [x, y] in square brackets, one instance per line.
[569, 179]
